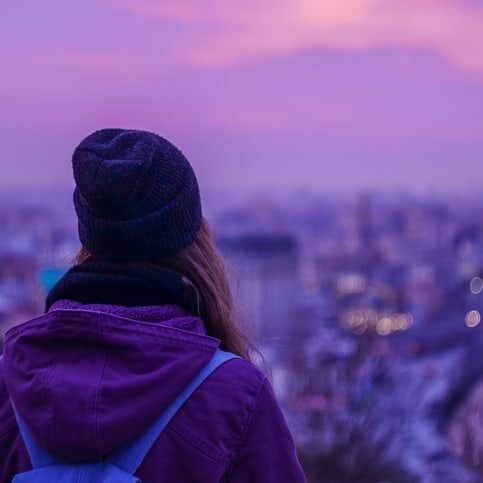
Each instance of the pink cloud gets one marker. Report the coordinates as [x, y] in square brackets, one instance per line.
[227, 32]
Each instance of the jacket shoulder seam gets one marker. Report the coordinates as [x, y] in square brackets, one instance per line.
[246, 426]
[199, 447]
[8, 431]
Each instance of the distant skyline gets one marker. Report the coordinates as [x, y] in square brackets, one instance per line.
[261, 94]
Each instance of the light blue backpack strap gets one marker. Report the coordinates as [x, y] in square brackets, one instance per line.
[38, 457]
[130, 458]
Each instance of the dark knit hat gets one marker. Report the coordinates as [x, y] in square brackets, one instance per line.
[136, 196]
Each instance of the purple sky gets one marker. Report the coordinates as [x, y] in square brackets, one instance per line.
[342, 94]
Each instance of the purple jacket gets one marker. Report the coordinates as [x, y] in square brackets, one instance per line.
[88, 379]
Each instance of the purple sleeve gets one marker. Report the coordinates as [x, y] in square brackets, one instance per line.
[267, 453]
[13, 454]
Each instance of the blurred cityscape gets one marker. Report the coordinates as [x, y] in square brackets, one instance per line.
[366, 307]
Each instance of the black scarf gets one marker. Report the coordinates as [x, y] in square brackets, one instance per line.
[119, 284]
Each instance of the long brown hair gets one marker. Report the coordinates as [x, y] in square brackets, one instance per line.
[201, 266]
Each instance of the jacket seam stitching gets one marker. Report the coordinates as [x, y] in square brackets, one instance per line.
[86, 330]
[8, 431]
[98, 388]
[199, 448]
[48, 375]
[137, 327]
[247, 425]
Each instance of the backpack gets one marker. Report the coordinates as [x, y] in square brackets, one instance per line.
[118, 467]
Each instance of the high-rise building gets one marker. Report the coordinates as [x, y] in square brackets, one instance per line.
[264, 276]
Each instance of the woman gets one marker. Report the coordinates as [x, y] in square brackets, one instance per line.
[143, 310]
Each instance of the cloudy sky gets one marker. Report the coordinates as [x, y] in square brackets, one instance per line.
[275, 94]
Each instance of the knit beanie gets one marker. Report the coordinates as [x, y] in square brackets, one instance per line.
[136, 196]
